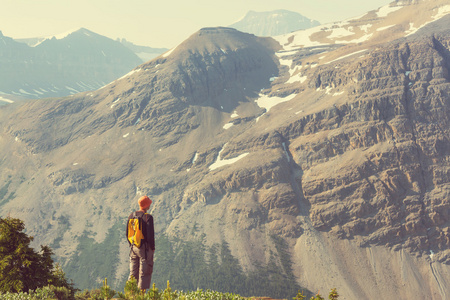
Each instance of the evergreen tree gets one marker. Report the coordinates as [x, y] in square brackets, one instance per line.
[21, 267]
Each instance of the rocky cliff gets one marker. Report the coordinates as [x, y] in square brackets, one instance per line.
[338, 150]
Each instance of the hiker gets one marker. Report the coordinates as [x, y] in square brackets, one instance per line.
[142, 248]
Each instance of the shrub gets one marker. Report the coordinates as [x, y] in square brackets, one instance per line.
[49, 292]
[21, 267]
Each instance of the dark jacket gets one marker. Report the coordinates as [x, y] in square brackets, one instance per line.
[149, 230]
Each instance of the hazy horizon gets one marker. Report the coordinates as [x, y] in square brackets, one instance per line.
[156, 24]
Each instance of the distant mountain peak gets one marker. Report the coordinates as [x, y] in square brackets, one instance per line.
[272, 23]
[65, 34]
[33, 42]
[62, 64]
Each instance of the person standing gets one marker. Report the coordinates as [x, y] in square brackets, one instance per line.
[141, 255]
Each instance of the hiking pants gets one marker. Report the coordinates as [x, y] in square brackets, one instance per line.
[141, 268]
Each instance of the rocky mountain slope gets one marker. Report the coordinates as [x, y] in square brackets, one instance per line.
[273, 23]
[334, 140]
[63, 65]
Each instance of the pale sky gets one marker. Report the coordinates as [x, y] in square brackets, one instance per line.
[156, 23]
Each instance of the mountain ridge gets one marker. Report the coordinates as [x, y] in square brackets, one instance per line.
[77, 61]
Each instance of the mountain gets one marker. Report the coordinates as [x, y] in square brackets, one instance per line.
[144, 52]
[313, 160]
[273, 23]
[62, 65]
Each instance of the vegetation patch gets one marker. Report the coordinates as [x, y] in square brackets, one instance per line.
[190, 265]
[3, 192]
[95, 261]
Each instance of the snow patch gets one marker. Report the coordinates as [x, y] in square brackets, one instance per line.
[412, 29]
[300, 79]
[342, 57]
[169, 52]
[130, 73]
[59, 36]
[361, 39]
[299, 38]
[6, 100]
[303, 78]
[339, 33]
[441, 12]
[22, 91]
[193, 159]
[228, 125]
[114, 103]
[365, 28]
[220, 163]
[386, 10]
[385, 27]
[286, 62]
[72, 89]
[292, 71]
[286, 53]
[234, 115]
[267, 102]
[125, 135]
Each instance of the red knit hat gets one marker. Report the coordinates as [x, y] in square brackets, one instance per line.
[144, 202]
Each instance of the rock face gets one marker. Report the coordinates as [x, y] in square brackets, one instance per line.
[272, 23]
[387, 149]
[340, 150]
[61, 66]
